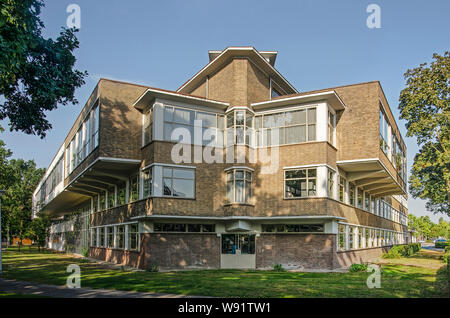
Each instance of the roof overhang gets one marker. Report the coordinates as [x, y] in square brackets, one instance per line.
[372, 176]
[220, 58]
[149, 96]
[331, 97]
[100, 175]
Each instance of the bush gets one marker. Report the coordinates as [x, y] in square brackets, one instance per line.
[441, 244]
[278, 268]
[358, 267]
[85, 252]
[153, 268]
[402, 251]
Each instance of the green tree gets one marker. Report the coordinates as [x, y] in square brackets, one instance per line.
[425, 105]
[39, 230]
[36, 74]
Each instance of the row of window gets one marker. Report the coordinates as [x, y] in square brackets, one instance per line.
[352, 237]
[191, 228]
[48, 186]
[117, 236]
[293, 228]
[240, 126]
[391, 146]
[84, 141]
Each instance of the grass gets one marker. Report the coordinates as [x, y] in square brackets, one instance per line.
[423, 275]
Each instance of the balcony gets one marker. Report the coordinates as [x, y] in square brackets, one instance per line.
[372, 176]
[102, 174]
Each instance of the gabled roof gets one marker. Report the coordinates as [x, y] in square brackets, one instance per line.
[264, 60]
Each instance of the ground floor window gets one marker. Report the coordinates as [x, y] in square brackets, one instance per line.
[133, 237]
[94, 237]
[238, 244]
[110, 239]
[342, 237]
[287, 228]
[121, 236]
[101, 237]
[181, 227]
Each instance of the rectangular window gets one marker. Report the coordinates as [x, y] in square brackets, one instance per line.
[121, 192]
[101, 237]
[110, 237]
[147, 127]
[352, 194]
[179, 182]
[121, 236]
[366, 201]
[133, 237]
[384, 128]
[342, 188]
[351, 237]
[292, 127]
[287, 228]
[342, 237]
[367, 236]
[111, 197]
[331, 127]
[360, 198]
[231, 243]
[239, 186]
[360, 237]
[300, 183]
[102, 200]
[147, 180]
[330, 182]
[175, 227]
[134, 188]
[94, 237]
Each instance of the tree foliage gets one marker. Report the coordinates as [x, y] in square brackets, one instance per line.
[425, 105]
[427, 229]
[36, 74]
[18, 178]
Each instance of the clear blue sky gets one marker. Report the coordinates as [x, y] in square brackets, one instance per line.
[320, 44]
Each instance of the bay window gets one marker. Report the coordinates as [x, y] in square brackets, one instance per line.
[179, 182]
[330, 182]
[133, 237]
[121, 236]
[147, 127]
[134, 188]
[300, 183]
[342, 188]
[239, 186]
[293, 127]
[240, 128]
[342, 237]
[147, 182]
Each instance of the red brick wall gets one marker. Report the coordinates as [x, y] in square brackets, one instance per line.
[122, 257]
[295, 251]
[181, 251]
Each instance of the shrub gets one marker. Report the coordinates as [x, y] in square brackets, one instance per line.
[278, 268]
[153, 268]
[358, 267]
[402, 250]
[85, 252]
[441, 244]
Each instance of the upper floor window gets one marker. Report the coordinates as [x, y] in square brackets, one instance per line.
[147, 127]
[291, 127]
[331, 127]
[330, 182]
[384, 131]
[147, 182]
[239, 128]
[179, 182]
[352, 194]
[300, 183]
[134, 188]
[342, 188]
[239, 186]
[183, 120]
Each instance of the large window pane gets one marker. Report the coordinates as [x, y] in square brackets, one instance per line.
[183, 188]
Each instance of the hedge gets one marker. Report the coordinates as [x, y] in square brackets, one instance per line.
[441, 244]
[402, 250]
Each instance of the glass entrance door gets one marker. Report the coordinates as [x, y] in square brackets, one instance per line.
[238, 251]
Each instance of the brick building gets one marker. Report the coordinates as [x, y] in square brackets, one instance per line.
[235, 169]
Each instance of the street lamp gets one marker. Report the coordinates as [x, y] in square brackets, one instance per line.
[1, 237]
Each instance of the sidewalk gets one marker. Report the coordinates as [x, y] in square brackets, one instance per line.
[14, 286]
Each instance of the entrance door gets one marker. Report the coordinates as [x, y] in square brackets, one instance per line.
[238, 251]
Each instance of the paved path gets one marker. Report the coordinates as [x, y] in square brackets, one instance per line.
[14, 286]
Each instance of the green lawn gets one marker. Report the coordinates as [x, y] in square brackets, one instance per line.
[423, 275]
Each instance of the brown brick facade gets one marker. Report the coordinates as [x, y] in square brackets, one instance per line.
[295, 251]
